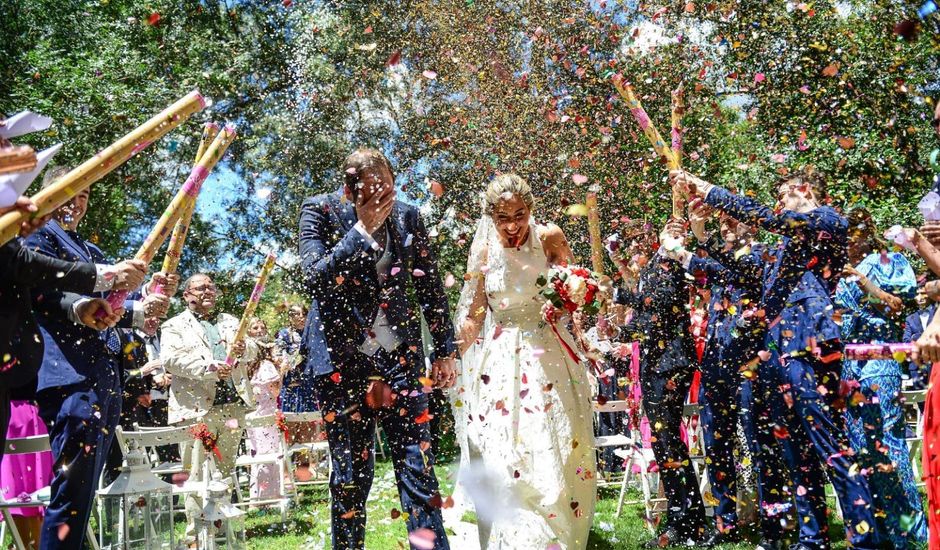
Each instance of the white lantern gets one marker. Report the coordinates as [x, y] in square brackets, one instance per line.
[136, 509]
[221, 526]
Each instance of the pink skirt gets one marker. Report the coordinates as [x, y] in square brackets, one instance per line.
[28, 472]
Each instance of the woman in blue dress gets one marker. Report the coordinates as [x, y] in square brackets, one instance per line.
[873, 295]
[297, 392]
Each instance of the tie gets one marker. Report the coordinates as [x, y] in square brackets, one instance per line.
[215, 340]
[113, 341]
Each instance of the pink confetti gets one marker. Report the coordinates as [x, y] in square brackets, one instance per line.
[394, 271]
[231, 423]
[418, 273]
[423, 539]
[430, 75]
[579, 179]
[759, 77]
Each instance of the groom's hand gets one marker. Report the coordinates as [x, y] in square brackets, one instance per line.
[444, 372]
[374, 209]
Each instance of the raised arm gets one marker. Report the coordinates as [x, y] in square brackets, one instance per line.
[325, 267]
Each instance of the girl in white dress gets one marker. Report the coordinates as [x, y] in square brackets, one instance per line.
[525, 404]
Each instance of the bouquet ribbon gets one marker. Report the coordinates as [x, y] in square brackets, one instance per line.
[207, 438]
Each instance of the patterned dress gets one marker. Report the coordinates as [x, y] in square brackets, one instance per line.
[297, 393]
[874, 414]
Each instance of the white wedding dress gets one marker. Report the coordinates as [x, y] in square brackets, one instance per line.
[528, 463]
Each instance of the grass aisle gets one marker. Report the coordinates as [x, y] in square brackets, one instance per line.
[308, 526]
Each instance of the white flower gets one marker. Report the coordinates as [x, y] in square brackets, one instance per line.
[577, 289]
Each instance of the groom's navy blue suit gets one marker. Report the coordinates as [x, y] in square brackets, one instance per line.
[340, 271]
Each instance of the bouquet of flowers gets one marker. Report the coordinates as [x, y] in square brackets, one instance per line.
[207, 437]
[571, 289]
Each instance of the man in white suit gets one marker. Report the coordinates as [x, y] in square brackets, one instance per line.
[193, 347]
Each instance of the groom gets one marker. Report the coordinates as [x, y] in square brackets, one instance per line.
[360, 252]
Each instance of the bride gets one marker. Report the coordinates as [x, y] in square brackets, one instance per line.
[528, 460]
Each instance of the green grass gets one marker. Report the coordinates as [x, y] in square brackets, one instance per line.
[308, 526]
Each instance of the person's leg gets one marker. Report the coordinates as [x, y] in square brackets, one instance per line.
[663, 401]
[350, 431]
[774, 498]
[76, 419]
[818, 424]
[413, 457]
[229, 438]
[878, 426]
[718, 415]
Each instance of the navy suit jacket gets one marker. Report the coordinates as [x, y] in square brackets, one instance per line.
[913, 328]
[661, 317]
[339, 270]
[730, 339]
[73, 353]
[799, 274]
[21, 345]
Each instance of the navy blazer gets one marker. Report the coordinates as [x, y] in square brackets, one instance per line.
[730, 338]
[339, 271]
[799, 274]
[913, 328]
[73, 353]
[21, 345]
[661, 316]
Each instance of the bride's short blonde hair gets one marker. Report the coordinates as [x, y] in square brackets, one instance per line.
[503, 187]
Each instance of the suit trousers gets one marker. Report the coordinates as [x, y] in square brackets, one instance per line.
[811, 431]
[663, 400]
[350, 429]
[81, 419]
[194, 455]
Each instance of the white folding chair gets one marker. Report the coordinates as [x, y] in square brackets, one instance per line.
[150, 438]
[38, 499]
[615, 441]
[697, 454]
[912, 400]
[314, 449]
[279, 458]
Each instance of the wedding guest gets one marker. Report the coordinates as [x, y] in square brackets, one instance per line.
[297, 391]
[804, 346]
[927, 298]
[266, 385]
[732, 391]
[78, 389]
[604, 339]
[205, 389]
[661, 325]
[21, 270]
[361, 249]
[872, 297]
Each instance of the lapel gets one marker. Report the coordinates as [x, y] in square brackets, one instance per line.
[82, 252]
[345, 212]
[197, 327]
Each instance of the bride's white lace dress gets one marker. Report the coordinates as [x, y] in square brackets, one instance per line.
[529, 462]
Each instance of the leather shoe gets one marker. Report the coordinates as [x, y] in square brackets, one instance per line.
[765, 544]
[799, 546]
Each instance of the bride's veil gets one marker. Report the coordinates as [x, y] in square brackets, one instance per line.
[479, 262]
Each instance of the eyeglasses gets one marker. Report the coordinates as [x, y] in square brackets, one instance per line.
[204, 289]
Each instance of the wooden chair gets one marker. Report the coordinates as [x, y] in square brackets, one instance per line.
[38, 499]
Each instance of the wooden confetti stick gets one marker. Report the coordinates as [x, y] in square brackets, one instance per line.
[103, 163]
[251, 306]
[594, 231]
[652, 134]
[178, 238]
[185, 199]
[678, 110]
